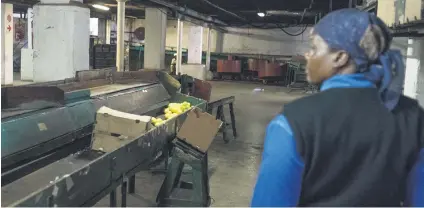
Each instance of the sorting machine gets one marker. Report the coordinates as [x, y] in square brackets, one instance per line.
[46, 134]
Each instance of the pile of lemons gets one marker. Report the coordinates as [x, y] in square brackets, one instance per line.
[173, 110]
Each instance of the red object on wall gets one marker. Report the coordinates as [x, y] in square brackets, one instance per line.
[228, 66]
[261, 64]
[272, 70]
[252, 64]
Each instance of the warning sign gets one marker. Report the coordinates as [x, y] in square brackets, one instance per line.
[9, 18]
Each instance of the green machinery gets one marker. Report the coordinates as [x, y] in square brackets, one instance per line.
[80, 176]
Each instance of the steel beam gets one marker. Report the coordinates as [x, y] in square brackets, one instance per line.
[190, 12]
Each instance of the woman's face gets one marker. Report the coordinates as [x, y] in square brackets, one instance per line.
[319, 59]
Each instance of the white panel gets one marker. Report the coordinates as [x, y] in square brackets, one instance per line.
[94, 26]
[7, 28]
[195, 45]
[412, 68]
[155, 39]
[386, 11]
[197, 71]
[413, 9]
[420, 79]
[30, 16]
[27, 64]
[61, 41]
[81, 40]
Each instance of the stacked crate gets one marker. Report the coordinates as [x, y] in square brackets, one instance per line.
[228, 66]
[270, 69]
[104, 56]
[252, 64]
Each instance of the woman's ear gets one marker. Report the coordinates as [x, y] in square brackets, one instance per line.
[340, 59]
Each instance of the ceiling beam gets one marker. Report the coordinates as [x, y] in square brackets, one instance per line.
[189, 12]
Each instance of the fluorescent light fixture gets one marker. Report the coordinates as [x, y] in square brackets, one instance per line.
[261, 14]
[101, 7]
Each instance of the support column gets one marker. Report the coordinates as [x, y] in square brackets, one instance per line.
[180, 29]
[219, 42]
[102, 30]
[413, 70]
[61, 39]
[155, 37]
[30, 16]
[195, 38]
[27, 60]
[420, 78]
[7, 28]
[208, 51]
[108, 29]
[120, 39]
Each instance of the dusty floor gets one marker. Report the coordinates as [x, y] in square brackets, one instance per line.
[234, 165]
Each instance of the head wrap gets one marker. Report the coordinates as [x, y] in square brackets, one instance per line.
[367, 40]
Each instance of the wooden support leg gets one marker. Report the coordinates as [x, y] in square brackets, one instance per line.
[124, 194]
[233, 120]
[112, 199]
[220, 115]
[171, 180]
[131, 188]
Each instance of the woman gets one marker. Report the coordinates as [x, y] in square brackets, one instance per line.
[359, 142]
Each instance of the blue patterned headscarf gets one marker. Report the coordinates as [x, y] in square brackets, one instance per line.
[346, 29]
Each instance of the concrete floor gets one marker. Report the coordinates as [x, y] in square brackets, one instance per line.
[234, 165]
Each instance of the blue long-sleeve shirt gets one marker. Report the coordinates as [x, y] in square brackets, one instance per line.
[280, 175]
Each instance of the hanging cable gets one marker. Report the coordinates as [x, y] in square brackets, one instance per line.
[300, 22]
[297, 34]
[226, 11]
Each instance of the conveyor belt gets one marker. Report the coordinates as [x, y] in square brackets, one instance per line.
[53, 128]
[43, 177]
[84, 179]
[106, 89]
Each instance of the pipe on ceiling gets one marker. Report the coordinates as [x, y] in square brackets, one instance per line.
[203, 24]
[289, 13]
[224, 10]
[189, 12]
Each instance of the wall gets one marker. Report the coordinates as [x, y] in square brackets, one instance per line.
[237, 40]
[399, 11]
[6, 44]
[61, 41]
[272, 41]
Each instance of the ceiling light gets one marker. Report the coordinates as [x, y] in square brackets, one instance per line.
[261, 14]
[101, 7]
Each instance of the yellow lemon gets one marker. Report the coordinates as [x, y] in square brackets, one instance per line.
[178, 111]
[159, 123]
[175, 109]
[168, 115]
[167, 111]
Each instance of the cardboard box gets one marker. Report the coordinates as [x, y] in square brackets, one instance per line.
[199, 129]
[114, 128]
[117, 122]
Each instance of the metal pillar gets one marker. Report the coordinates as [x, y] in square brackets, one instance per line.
[180, 28]
[208, 51]
[108, 31]
[412, 67]
[195, 39]
[7, 28]
[120, 47]
[29, 27]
